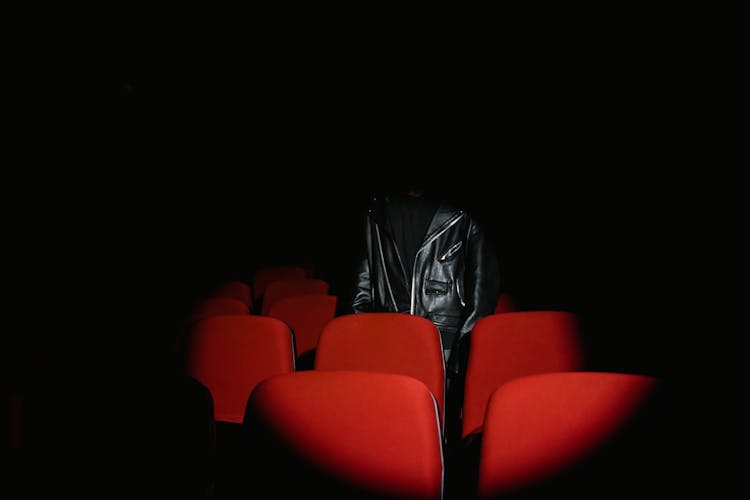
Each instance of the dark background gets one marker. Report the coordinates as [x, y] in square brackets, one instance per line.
[225, 161]
[161, 165]
[176, 157]
[169, 152]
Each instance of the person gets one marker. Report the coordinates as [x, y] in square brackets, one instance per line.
[424, 256]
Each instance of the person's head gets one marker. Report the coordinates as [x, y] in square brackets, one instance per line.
[409, 185]
[417, 184]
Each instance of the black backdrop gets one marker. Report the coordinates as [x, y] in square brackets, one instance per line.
[196, 164]
[176, 161]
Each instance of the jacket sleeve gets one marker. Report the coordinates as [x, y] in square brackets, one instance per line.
[481, 280]
[362, 296]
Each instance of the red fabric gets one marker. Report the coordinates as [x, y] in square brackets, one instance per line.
[280, 289]
[307, 315]
[538, 425]
[510, 345]
[217, 306]
[384, 342]
[234, 290]
[379, 431]
[264, 276]
[231, 354]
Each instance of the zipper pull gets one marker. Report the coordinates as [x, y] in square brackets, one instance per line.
[452, 250]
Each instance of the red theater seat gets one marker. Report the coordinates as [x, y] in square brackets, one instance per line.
[510, 345]
[217, 306]
[280, 289]
[231, 354]
[306, 315]
[264, 276]
[345, 434]
[385, 342]
[538, 426]
[234, 289]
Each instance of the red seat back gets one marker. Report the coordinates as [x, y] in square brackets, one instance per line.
[376, 433]
[264, 276]
[539, 425]
[217, 306]
[280, 289]
[510, 345]
[231, 354]
[234, 289]
[385, 342]
[306, 315]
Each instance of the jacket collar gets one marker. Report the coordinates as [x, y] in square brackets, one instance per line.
[444, 215]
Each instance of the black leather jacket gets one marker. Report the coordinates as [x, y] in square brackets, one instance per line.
[455, 280]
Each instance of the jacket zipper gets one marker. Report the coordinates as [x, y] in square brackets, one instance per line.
[447, 226]
[451, 251]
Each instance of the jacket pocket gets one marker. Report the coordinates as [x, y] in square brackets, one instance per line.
[434, 287]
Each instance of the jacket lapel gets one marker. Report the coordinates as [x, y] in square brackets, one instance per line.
[443, 216]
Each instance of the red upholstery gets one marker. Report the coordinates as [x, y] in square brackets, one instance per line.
[385, 342]
[231, 354]
[217, 306]
[264, 276]
[307, 315]
[509, 345]
[234, 290]
[539, 425]
[280, 289]
[378, 432]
